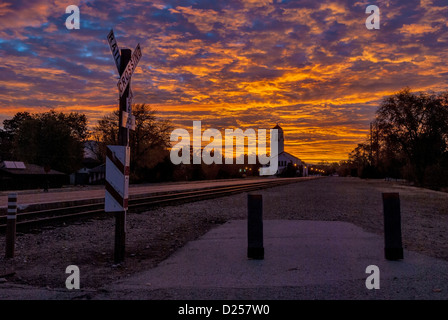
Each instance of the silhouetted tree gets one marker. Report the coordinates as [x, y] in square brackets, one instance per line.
[414, 127]
[7, 135]
[409, 138]
[149, 141]
[12, 125]
[53, 139]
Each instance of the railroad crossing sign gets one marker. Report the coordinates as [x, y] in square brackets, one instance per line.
[127, 119]
[114, 48]
[117, 160]
[127, 73]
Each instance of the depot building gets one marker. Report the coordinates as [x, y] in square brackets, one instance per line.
[285, 158]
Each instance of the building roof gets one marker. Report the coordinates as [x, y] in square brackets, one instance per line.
[20, 168]
[100, 168]
[13, 165]
[287, 154]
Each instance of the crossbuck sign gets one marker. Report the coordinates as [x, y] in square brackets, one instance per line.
[127, 74]
[117, 164]
[128, 119]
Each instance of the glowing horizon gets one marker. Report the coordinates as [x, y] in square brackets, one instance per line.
[310, 66]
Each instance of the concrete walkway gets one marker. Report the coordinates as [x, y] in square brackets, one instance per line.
[303, 260]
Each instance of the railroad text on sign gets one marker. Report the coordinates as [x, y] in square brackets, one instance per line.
[114, 48]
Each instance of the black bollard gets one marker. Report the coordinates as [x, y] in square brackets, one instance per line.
[393, 248]
[255, 249]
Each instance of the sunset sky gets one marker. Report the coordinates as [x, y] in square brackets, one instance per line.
[310, 66]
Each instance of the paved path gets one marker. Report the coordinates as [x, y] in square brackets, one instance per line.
[303, 260]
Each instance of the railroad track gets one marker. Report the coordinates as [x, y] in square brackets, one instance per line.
[137, 203]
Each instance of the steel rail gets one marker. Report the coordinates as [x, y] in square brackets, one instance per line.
[139, 202]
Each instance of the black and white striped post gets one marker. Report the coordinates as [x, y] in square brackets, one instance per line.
[117, 193]
[11, 218]
[117, 181]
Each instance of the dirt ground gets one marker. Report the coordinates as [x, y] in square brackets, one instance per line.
[43, 254]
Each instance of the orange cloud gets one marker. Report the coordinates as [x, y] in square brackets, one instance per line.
[310, 66]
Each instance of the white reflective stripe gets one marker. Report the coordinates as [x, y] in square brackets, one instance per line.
[12, 203]
[111, 205]
[12, 210]
[11, 217]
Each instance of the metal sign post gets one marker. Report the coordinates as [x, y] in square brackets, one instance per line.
[117, 164]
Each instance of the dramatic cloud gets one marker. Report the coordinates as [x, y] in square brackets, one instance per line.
[311, 66]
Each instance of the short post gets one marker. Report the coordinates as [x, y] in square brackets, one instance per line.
[393, 248]
[255, 249]
[11, 225]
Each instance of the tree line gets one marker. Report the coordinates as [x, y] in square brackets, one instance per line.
[58, 140]
[408, 140]
[49, 139]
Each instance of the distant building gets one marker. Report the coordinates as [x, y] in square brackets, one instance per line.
[97, 175]
[15, 175]
[284, 158]
[92, 172]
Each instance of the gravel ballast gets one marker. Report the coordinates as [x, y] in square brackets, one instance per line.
[42, 256]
